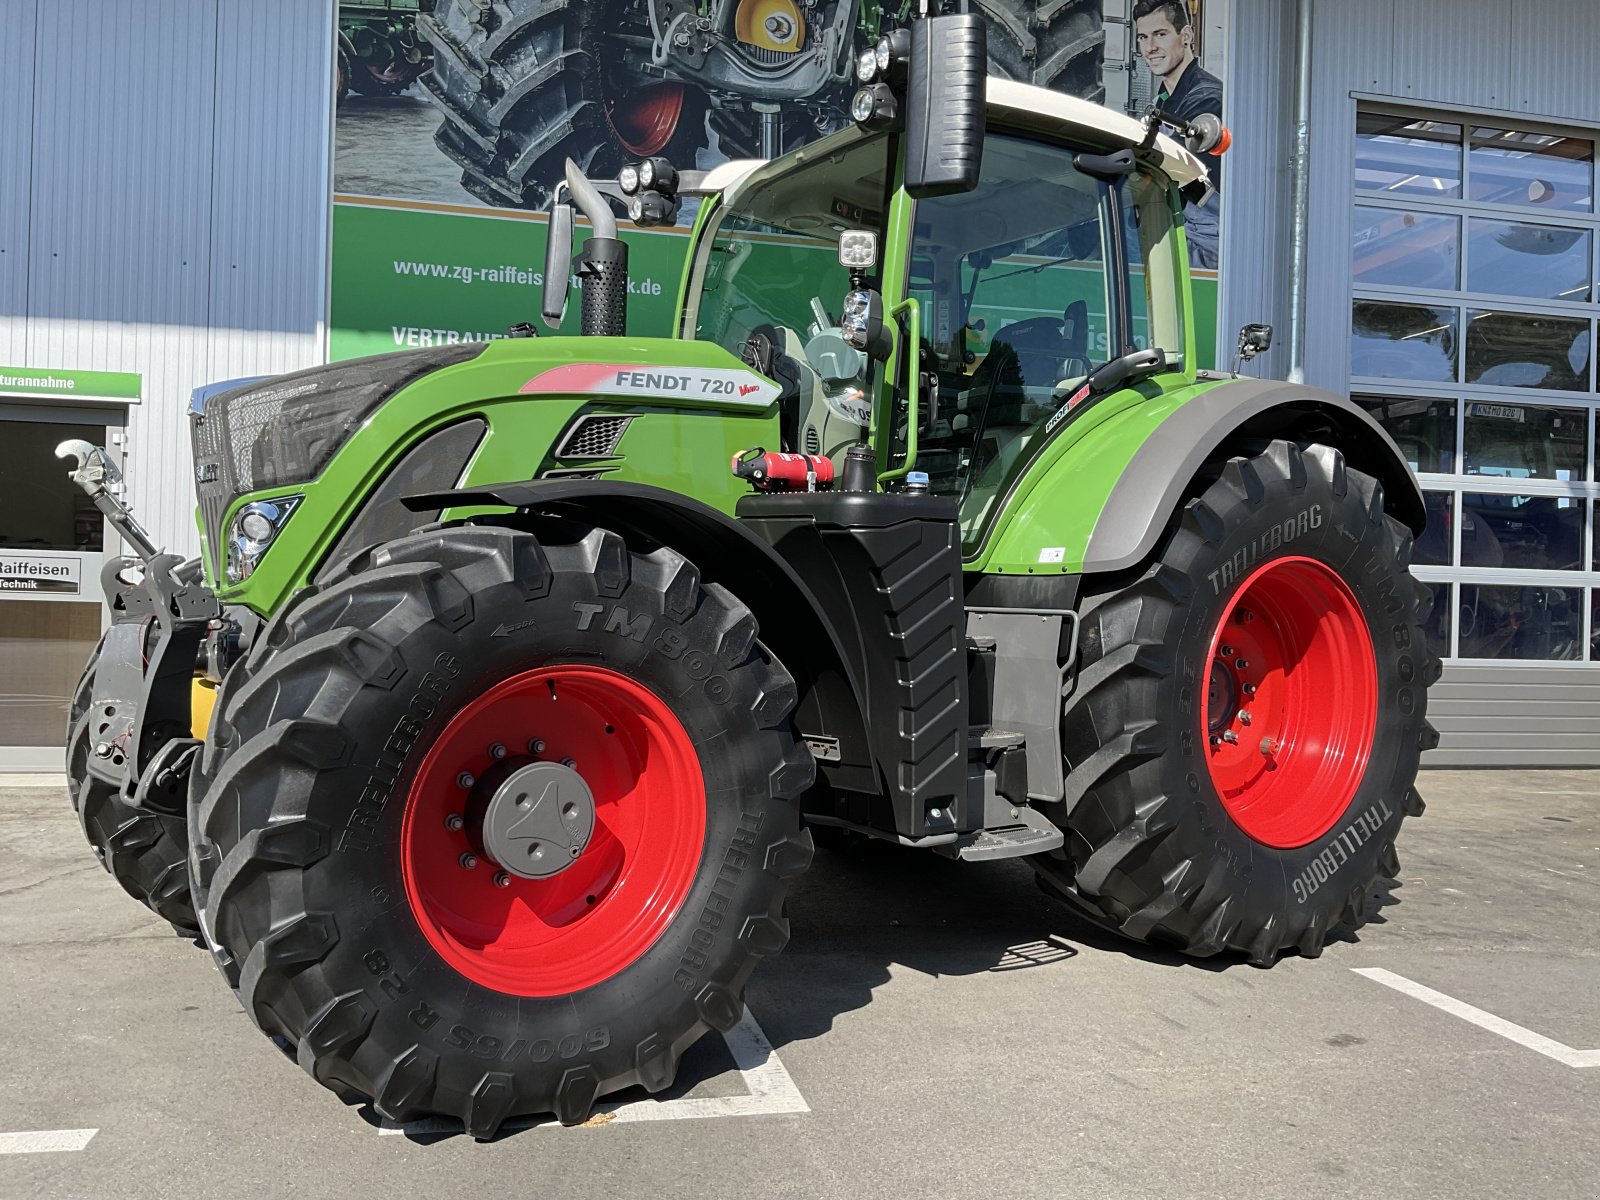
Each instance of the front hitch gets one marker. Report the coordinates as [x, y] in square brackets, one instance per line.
[147, 660]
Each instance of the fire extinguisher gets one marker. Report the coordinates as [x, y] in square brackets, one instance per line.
[778, 472]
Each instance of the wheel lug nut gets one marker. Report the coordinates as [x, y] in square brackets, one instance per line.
[536, 746]
[1241, 663]
[501, 879]
[465, 780]
[1230, 737]
[570, 763]
[454, 822]
[1225, 651]
[1268, 746]
[497, 751]
[1249, 689]
[1244, 717]
[469, 860]
[103, 750]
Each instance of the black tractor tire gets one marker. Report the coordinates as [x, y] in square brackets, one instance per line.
[341, 76]
[524, 85]
[145, 852]
[1059, 45]
[298, 810]
[1152, 852]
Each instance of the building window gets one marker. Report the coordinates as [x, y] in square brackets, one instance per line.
[1475, 264]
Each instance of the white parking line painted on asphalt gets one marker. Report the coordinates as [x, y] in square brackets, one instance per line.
[1548, 1047]
[45, 1141]
[772, 1091]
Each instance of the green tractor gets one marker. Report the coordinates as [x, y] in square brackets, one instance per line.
[537, 664]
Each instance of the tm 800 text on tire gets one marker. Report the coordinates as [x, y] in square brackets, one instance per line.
[499, 824]
[1243, 739]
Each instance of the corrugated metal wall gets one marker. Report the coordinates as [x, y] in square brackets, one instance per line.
[1520, 56]
[168, 206]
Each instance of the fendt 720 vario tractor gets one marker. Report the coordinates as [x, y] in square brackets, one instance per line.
[536, 664]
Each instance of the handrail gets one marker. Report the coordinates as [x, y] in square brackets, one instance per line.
[913, 385]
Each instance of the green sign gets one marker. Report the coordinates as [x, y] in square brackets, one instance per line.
[405, 277]
[73, 385]
[410, 277]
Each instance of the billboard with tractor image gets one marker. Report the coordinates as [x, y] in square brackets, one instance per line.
[455, 118]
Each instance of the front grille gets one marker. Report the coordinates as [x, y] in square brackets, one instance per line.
[593, 436]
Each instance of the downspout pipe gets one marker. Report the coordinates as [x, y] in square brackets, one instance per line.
[1300, 193]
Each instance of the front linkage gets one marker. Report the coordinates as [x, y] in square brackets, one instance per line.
[134, 734]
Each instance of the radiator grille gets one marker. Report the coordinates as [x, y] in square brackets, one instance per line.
[594, 436]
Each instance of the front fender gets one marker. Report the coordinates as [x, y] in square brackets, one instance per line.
[794, 625]
[1100, 500]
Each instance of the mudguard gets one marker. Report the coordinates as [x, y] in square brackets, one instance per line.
[1098, 498]
[794, 624]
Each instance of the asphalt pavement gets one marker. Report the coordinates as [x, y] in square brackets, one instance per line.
[934, 1029]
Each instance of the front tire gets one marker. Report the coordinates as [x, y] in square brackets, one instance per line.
[357, 768]
[1244, 736]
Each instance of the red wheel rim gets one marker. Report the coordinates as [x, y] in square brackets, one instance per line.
[648, 119]
[1291, 705]
[548, 937]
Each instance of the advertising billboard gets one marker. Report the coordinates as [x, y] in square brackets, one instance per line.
[456, 117]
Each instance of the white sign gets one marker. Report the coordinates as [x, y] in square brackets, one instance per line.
[23, 572]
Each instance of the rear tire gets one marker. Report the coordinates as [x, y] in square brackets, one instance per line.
[146, 853]
[1177, 835]
[1066, 55]
[526, 84]
[325, 854]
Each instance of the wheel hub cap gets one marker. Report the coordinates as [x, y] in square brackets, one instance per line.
[539, 820]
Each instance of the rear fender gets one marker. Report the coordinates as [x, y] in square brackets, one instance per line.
[1102, 501]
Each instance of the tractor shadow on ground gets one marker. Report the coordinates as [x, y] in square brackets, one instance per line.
[872, 906]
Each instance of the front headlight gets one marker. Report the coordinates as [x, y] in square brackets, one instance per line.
[254, 528]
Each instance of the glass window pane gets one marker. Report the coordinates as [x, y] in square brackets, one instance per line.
[1594, 625]
[1513, 258]
[1529, 533]
[40, 508]
[1403, 341]
[1525, 441]
[1521, 622]
[1528, 350]
[43, 646]
[1437, 623]
[1425, 430]
[1393, 247]
[1433, 548]
[1511, 166]
[1403, 156]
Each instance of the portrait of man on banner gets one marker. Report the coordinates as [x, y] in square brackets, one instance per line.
[1164, 32]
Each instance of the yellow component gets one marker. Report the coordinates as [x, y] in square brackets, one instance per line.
[202, 699]
[770, 25]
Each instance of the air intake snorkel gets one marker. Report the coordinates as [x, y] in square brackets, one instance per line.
[603, 264]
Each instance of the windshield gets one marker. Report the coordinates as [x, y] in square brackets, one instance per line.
[770, 260]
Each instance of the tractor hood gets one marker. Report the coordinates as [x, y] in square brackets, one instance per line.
[283, 430]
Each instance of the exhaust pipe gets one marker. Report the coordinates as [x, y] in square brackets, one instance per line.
[602, 266]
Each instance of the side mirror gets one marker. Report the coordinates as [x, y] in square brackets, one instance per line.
[557, 259]
[1254, 339]
[944, 104]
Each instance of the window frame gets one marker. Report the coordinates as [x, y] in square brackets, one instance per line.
[1456, 483]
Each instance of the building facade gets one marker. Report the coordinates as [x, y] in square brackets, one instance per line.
[1410, 201]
